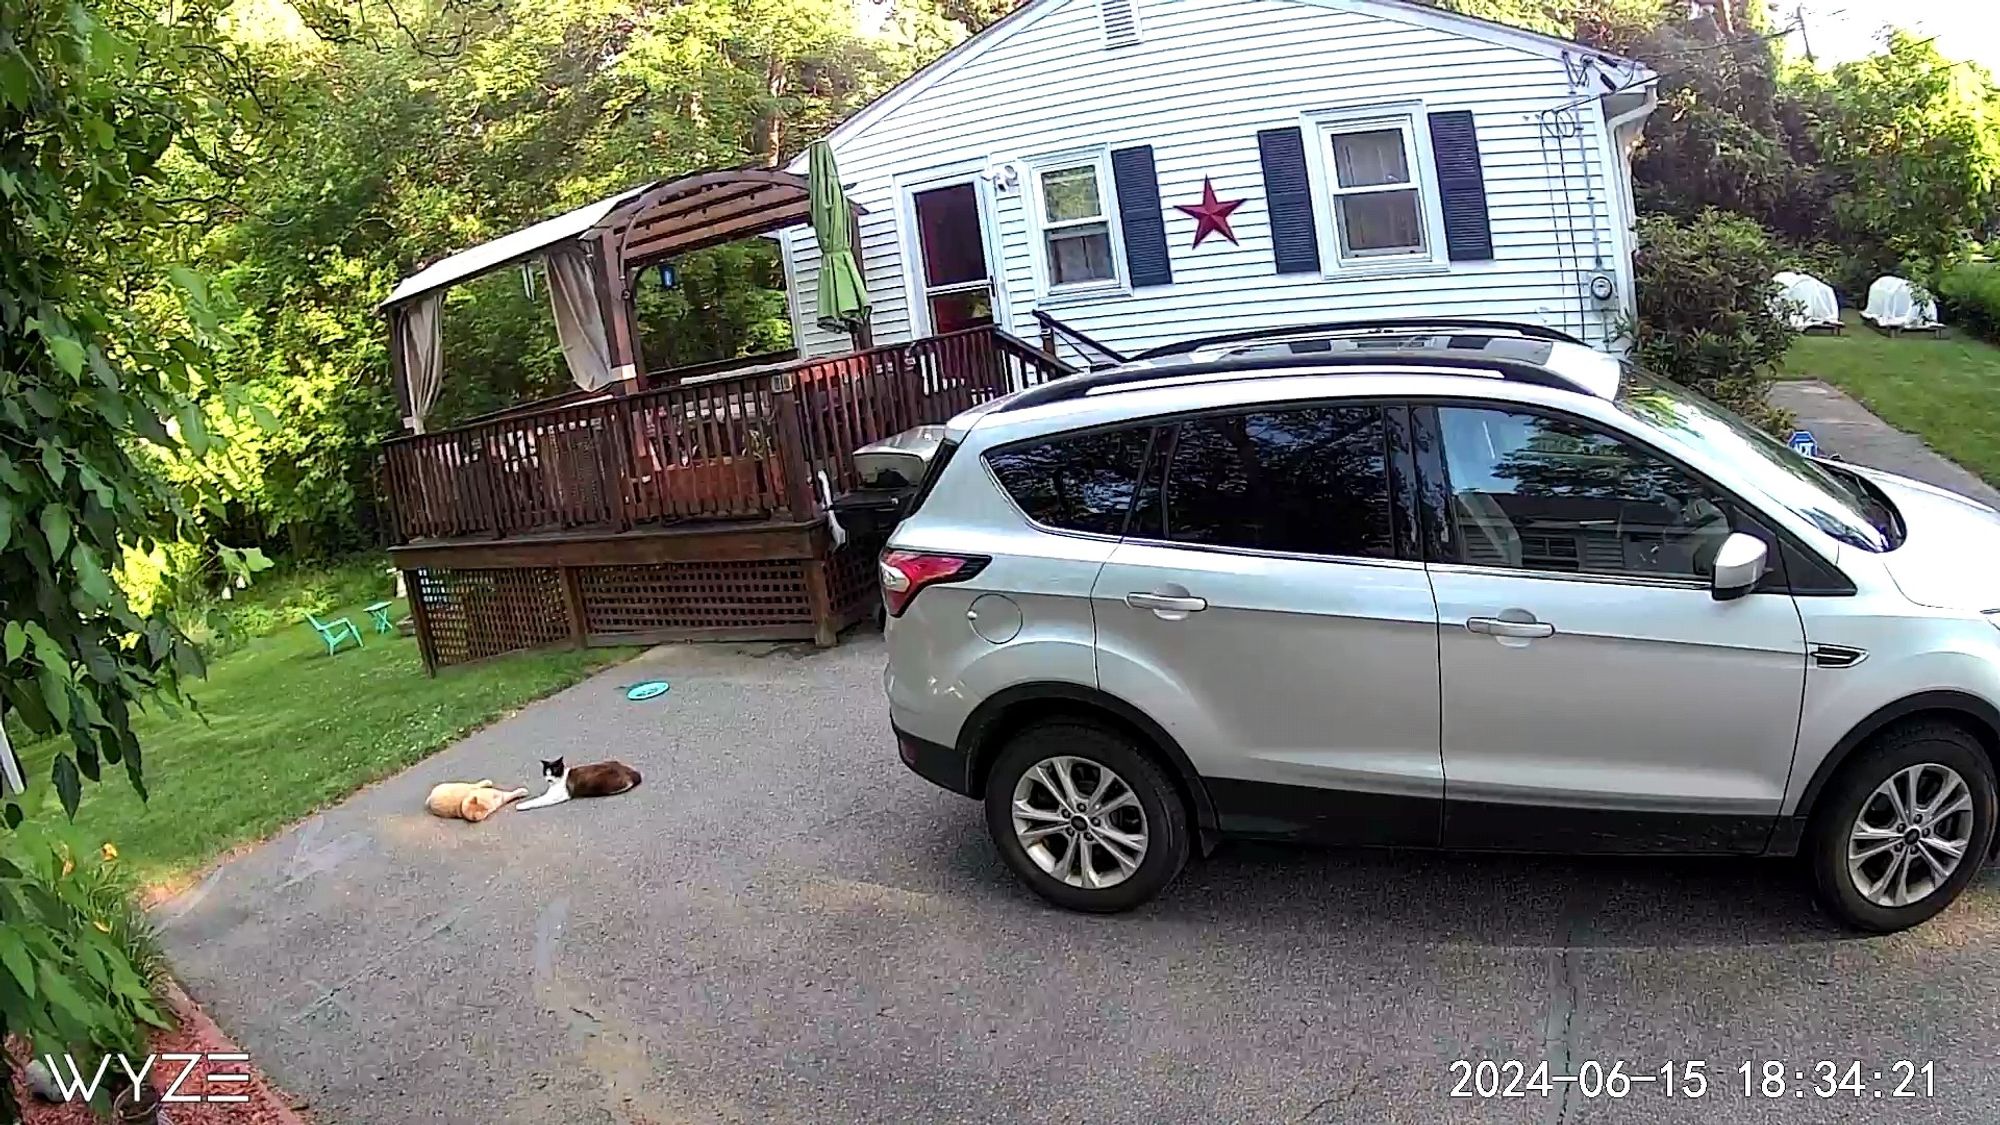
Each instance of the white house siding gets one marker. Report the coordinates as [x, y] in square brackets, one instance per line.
[1205, 79]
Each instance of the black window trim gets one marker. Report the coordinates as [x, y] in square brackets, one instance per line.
[1145, 459]
[1431, 469]
[1397, 454]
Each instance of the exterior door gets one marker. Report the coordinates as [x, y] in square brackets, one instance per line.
[1266, 608]
[957, 285]
[1596, 695]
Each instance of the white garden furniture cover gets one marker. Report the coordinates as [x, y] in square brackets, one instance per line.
[1892, 303]
[1808, 300]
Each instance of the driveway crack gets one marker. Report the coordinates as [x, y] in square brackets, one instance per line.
[1313, 1109]
[1559, 1029]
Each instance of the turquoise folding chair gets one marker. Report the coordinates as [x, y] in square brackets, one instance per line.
[335, 632]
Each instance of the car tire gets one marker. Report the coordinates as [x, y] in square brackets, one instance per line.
[1078, 855]
[1863, 829]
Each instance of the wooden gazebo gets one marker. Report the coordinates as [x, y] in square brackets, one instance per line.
[643, 506]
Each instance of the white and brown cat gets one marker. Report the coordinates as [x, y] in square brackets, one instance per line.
[602, 779]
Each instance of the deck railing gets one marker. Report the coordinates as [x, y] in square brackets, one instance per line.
[735, 447]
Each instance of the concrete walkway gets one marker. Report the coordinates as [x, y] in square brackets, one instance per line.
[1844, 426]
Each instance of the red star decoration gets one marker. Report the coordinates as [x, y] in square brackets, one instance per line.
[1211, 215]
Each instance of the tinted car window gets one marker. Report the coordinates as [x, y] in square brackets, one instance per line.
[1081, 482]
[1313, 480]
[1537, 493]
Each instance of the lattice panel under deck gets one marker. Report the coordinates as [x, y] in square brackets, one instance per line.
[472, 614]
[853, 579]
[706, 595]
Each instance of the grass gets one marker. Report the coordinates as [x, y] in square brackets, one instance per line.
[1944, 391]
[283, 595]
[289, 729]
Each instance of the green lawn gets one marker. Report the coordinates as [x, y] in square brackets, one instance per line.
[1944, 391]
[289, 730]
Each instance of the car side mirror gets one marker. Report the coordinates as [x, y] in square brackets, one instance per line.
[1738, 566]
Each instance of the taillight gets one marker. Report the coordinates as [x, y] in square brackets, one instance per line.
[904, 573]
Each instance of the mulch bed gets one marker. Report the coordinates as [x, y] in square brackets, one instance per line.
[196, 1033]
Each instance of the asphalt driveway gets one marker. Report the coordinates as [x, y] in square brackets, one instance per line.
[782, 924]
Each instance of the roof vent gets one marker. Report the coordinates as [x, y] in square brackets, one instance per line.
[1121, 22]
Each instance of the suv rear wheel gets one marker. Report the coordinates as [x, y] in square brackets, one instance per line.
[1904, 827]
[1084, 817]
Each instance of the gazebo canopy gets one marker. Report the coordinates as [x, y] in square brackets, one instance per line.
[591, 255]
[649, 222]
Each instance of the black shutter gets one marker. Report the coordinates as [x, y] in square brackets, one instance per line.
[1139, 214]
[1468, 235]
[1288, 193]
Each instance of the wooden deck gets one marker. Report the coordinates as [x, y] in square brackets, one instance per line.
[731, 446]
[737, 580]
[687, 510]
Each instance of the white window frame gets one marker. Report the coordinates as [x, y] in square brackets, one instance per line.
[1412, 120]
[1039, 228]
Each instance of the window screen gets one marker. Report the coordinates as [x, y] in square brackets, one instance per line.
[1076, 226]
[1313, 480]
[1377, 206]
[1080, 482]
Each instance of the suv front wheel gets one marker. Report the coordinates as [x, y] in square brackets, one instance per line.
[1904, 827]
[1084, 818]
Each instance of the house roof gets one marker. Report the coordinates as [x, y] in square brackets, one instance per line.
[1509, 31]
[1633, 71]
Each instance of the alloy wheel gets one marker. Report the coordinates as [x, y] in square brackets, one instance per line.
[1910, 835]
[1079, 822]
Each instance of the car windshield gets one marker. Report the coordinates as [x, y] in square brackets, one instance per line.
[1838, 503]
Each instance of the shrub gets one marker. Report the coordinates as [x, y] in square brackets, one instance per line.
[280, 599]
[1970, 296]
[1705, 317]
[1848, 272]
[77, 959]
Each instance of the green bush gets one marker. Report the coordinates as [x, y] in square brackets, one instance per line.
[281, 598]
[1969, 294]
[1705, 317]
[1850, 273]
[77, 958]
[221, 608]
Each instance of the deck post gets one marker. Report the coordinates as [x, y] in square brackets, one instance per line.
[420, 619]
[616, 302]
[819, 589]
[573, 603]
[792, 460]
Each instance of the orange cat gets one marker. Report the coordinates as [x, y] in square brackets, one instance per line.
[474, 802]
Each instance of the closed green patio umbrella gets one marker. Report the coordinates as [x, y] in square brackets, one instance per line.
[843, 296]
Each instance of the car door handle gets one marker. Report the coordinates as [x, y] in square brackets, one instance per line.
[1165, 603]
[1497, 627]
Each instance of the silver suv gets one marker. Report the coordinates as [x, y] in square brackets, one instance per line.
[1457, 585]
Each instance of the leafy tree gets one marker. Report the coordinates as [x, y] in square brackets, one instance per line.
[97, 100]
[976, 15]
[1726, 134]
[1911, 145]
[86, 382]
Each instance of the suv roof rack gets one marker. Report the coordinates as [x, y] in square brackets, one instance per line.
[1077, 386]
[1385, 324]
